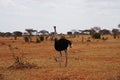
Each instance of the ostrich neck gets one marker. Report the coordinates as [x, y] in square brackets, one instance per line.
[55, 33]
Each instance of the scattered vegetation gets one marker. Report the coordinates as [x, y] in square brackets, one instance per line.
[41, 38]
[96, 36]
[23, 65]
[19, 63]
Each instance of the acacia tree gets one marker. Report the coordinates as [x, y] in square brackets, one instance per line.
[17, 34]
[104, 31]
[30, 33]
[115, 32]
[44, 32]
[7, 34]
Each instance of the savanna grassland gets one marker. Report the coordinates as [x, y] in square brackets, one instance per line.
[94, 60]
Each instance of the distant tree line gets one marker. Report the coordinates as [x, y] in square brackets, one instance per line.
[95, 32]
[31, 32]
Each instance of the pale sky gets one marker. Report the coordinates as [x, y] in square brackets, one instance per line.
[18, 15]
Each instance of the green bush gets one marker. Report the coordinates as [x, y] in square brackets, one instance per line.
[96, 36]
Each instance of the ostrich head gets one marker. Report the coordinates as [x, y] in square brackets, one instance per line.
[55, 31]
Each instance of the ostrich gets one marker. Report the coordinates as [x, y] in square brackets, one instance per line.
[61, 45]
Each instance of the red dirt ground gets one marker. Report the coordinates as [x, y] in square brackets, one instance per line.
[95, 60]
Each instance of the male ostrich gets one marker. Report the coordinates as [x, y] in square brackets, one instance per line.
[61, 45]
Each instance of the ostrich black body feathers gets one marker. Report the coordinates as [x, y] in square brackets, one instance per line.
[62, 44]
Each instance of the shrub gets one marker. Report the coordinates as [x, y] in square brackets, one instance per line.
[114, 35]
[26, 39]
[96, 36]
[41, 38]
[19, 62]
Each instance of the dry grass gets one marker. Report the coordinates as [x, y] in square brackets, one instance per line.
[95, 60]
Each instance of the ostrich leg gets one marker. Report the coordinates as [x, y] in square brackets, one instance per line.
[66, 55]
[60, 58]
